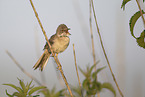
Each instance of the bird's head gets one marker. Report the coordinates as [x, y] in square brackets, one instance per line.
[62, 30]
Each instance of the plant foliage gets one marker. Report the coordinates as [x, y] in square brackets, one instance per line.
[91, 85]
[24, 90]
[124, 2]
[141, 39]
[133, 20]
[77, 91]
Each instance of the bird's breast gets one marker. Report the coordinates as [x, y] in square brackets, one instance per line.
[60, 44]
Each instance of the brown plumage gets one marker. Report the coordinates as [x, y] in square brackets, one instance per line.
[59, 42]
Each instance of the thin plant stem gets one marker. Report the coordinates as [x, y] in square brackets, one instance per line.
[59, 76]
[141, 12]
[77, 70]
[92, 39]
[105, 52]
[56, 59]
[22, 69]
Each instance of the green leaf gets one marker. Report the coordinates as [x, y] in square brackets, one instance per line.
[78, 92]
[36, 95]
[90, 71]
[109, 87]
[9, 94]
[99, 69]
[53, 90]
[15, 87]
[97, 86]
[14, 94]
[91, 92]
[23, 86]
[94, 75]
[133, 20]
[94, 88]
[35, 89]
[143, 0]
[18, 94]
[59, 93]
[96, 72]
[86, 84]
[45, 92]
[124, 3]
[28, 86]
[82, 71]
[141, 40]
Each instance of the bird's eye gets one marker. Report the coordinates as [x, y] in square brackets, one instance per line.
[62, 30]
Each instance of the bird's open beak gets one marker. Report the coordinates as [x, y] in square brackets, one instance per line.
[68, 32]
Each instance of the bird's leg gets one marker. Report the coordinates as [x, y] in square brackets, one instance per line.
[59, 66]
[52, 55]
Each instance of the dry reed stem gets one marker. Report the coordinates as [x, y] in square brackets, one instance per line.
[77, 70]
[56, 59]
[22, 69]
[105, 52]
[141, 12]
[92, 39]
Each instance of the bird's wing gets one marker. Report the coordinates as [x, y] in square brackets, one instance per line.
[51, 41]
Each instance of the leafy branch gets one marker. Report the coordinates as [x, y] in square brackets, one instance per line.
[141, 39]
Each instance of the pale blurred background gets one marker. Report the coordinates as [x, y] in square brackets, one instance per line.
[21, 35]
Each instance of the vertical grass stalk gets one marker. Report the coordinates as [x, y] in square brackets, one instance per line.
[92, 39]
[105, 52]
[56, 59]
[77, 70]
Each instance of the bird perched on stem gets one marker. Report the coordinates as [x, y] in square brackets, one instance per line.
[59, 42]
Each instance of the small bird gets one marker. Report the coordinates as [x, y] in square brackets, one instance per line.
[59, 42]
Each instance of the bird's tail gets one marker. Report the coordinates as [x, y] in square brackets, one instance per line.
[41, 63]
